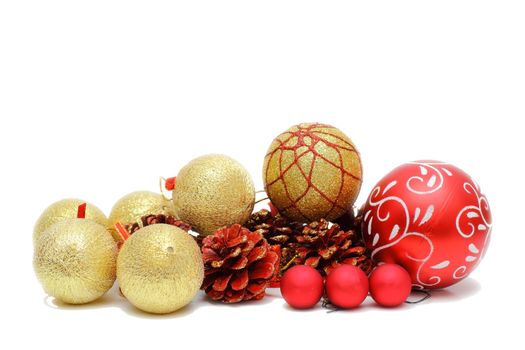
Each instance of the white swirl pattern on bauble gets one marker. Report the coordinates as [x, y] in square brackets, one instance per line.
[374, 201]
[430, 175]
[472, 214]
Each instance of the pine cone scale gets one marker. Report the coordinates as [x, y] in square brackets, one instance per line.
[256, 288]
[221, 283]
[235, 241]
[241, 263]
[355, 251]
[313, 261]
[257, 253]
[227, 259]
[240, 281]
[233, 296]
[216, 295]
[264, 270]
[209, 255]
[280, 239]
[328, 252]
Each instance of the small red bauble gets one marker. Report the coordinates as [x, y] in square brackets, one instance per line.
[302, 287]
[432, 219]
[390, 285]
[346, 286]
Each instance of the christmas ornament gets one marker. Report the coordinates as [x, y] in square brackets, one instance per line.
[302, 287]
[66, 209]
[312, 171]
[159, 268]
[132, 207]
[318, 244]
[213, 191]
[430, 218]
[390, 285]
[238, 264]
[346, 286]
[74, 260]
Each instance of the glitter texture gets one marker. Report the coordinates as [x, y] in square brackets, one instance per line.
[213, 191]
[160, 268]
[312, 171]
[75, 260]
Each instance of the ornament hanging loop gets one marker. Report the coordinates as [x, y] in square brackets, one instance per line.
[257, 201]
[426, 295]
[326, 304]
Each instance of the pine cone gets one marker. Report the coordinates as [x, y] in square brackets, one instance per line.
[238, 264]
[157, 219]
[276, 229]
[317, 244]
[325, 247]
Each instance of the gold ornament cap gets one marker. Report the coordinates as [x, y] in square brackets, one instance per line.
[160, 268]
[312, 171]
[75, 260]
[213, 191]
[66, 209]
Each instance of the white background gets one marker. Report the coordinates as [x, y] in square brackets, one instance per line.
[100, 98]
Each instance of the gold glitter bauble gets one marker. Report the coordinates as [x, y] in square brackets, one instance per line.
[160, 268]
[213, 191]
[66, 209]
[75, 260]
[312, 171]
[132, 207]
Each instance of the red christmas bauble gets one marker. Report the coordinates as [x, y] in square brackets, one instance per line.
[346, 286]
[390, 285]
[302, 287]
[430, 218]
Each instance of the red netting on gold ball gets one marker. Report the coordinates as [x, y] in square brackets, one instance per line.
[301, 133]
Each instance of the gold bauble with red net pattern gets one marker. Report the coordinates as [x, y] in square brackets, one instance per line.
[312, 171]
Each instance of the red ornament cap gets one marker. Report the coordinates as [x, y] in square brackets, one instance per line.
[170, 183]
[81, 211]
[121, 231]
